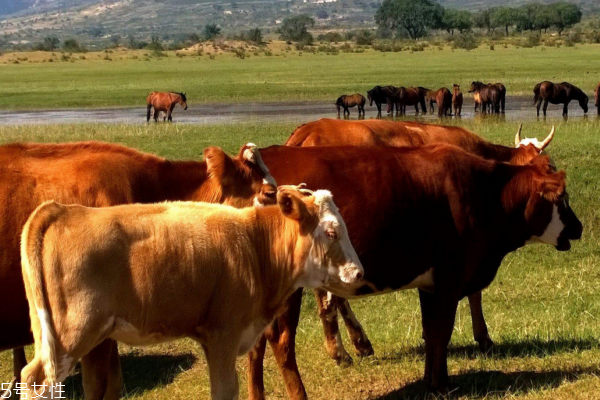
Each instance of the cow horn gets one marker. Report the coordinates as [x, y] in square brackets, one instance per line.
[548, 139]
[518, 135]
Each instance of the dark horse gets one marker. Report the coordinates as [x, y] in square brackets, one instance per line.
[491, 95]
[165, 102]
[597, 97]
[557, 93]
[351, 100]
[412, 96]
[380, 95]
[443, 98]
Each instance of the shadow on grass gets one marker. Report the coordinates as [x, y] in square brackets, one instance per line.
[140, 373]
[490, 384]
[508, 349]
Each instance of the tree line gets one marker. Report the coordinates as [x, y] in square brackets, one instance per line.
[415, 18]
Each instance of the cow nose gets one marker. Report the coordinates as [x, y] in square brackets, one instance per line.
[359, 275]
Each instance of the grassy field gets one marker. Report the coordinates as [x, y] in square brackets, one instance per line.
[284, 76]
[543, 309]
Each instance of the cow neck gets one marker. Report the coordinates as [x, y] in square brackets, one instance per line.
[492, 151]
[515, 194]
[188, 181]
[280, 265]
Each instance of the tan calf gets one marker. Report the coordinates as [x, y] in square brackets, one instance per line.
[144, 274]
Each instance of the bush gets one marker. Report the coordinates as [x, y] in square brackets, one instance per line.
[466, 41]
[155, 44]
[534, 39]
[364, 37]
[331, 37]
[573, 38]
[240, 52]
[593, 36]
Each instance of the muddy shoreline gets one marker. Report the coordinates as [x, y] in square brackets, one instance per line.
[518, 108]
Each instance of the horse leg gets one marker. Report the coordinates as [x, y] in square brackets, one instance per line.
[148, 112]
[566, 109]
[545, 107]
[156, 115]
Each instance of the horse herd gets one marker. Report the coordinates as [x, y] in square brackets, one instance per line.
[489, 97]
[417, 206]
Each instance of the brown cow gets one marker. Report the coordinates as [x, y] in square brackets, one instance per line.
[597, 97]
[353, 100]
[442, 222]
[327, 132]
[118, 273]
[102, 174]
[457, 100]
[165, 102]
[557, 93]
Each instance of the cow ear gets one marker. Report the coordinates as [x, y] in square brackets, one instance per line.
[553, 186]
[291, 204]
[218, 164]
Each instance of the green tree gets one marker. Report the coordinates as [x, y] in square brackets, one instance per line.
[72, 45]
[564, 15]
[295, 29]
[254, 35]
[527, 16]
[457, 20]
[414, 17]
[483, 20]
[211, 31]
[543, 18]
[51, 43]
[504, 16]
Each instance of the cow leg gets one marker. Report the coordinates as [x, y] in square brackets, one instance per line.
[101, 372]
[19, 362]
[362, 344]
[438, 313]
[480, 330]
[220, 356]
[326, 304]
[256, 382]
[282, 338]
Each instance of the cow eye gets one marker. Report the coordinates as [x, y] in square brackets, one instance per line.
[331, 234]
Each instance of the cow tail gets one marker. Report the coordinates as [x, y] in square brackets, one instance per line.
[536, 92]
[32, 265]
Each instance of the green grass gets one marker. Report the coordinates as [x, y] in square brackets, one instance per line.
[543, 309]
[287, 77]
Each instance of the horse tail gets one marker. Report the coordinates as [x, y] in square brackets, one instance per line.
[536, 92]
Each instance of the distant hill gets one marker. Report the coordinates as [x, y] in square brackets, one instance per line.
[96, 22]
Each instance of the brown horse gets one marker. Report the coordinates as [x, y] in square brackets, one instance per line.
[380, 95]
[351, 100]
[557, 93]
[412, 96]
[165, 102]
[491, 95]
[443, 98]
[597, 97]
[431, 99]
[457, 100]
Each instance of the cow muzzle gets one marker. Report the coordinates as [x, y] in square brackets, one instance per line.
[351, 273]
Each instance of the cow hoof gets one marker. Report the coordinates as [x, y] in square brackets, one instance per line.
[7, 394]
[485, 345]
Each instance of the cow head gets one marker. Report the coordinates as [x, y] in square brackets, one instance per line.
[329, 257]
[548, 214]
[241, 181]
[539, 146]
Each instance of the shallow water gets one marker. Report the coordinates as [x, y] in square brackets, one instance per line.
[518, 108]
